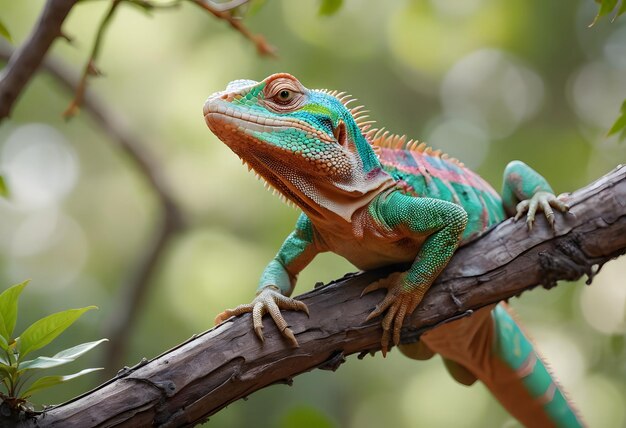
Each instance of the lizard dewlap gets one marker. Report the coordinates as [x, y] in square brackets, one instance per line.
[376, 198]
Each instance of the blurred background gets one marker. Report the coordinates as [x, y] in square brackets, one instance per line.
[487, 81]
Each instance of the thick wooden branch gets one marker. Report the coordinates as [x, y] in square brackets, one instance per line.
[189, 383]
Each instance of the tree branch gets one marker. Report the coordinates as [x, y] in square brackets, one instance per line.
[262, 47]
[27, 59]
[131, 294]
[90, 68]
[189, 383]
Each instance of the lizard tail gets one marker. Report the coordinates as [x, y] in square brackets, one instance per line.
[491, 346]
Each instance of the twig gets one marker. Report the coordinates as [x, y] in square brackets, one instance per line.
[263, 48]
[229, 5]
[90, 68]
[27, 59]
[219, 10]
[131, 294]
[198, 378]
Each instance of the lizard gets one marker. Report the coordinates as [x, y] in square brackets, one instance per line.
[376, 199]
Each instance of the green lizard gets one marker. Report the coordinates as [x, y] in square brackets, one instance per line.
[376, 199]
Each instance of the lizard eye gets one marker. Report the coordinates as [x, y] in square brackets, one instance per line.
[283, 93]
[284, 96]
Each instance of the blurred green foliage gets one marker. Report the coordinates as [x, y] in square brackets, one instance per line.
[4, 190]
[606, 7]
[305, 416]
[329, 7]
[4, 32]
[619, 127]
[488, 81]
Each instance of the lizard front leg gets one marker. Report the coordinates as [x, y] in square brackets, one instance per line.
[278, 281]
[443, 224]
[526, 191]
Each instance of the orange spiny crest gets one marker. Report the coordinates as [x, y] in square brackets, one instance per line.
[379, 138]
[359, 115]
[382, 139]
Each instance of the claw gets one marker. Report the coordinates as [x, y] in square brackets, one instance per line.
[521, 208]
[388, 301]
[376, 285]
[384, 343]
[398, 303]
[241, 309]
[397, 327]
[289, 335]
[269, 300]
[259, 333]
[547, 211]
[542, 201]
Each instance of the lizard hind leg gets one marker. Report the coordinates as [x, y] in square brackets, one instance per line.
[493, 346]
[420, 351]
[417, 350]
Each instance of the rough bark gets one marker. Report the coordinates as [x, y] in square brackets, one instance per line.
[189, 383]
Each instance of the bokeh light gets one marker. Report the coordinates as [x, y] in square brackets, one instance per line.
[493, 89]
[39, 164]
[609, 294]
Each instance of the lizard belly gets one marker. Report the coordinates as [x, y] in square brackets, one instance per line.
[367, 253]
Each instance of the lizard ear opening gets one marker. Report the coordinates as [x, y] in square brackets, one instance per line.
[340, 134]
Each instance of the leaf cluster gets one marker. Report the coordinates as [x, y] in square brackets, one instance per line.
[619, 127]
[607, 7]
[17, 372]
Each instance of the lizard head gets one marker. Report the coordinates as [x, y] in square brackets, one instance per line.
[304, 143]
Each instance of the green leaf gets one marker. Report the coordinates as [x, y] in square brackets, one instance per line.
[4, 189]
[4, 359]
[78, 350]
[44, 331]
[606, 6]
[622, 8]
[43, 363]
[330, 7]
[620, 123]
[5, 370]
[48, 381]
[4, 345]
[8, 309]
[4, 32]
[66, 356]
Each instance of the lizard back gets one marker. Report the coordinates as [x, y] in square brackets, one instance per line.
[422, 171]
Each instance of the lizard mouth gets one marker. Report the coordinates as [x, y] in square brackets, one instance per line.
[220, 114]
[239, 131]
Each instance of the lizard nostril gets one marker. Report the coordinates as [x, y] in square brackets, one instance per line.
[224, 97]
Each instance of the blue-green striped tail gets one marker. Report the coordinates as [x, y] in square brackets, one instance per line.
[491, 346]
[514, 348]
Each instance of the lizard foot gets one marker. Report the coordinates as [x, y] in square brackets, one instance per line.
[542, 201]
[398, 303]
[272, 301]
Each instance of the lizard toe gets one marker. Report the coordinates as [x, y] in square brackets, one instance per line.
[239, 310]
